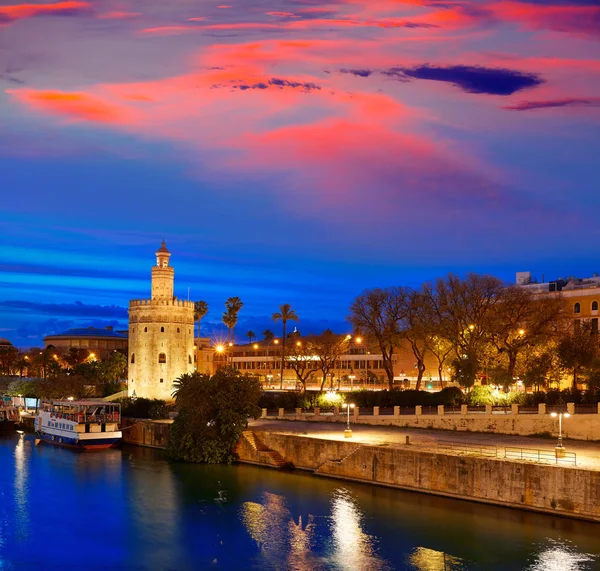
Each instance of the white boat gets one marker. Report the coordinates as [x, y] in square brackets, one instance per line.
[87, 425]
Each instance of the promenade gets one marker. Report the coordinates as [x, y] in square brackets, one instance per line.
[587, 453]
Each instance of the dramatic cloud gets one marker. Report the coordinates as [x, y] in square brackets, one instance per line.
[472, 79]
[566, 102]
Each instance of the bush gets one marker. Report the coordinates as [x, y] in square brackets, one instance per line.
[144, 408]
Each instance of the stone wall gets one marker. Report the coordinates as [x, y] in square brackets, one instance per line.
[577, 427]
[143, 432]
[551, 489]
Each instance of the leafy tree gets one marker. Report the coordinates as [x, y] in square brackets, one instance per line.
[200, 310]
[65, 385]
[76, 356]
[212, 411]
[285, 314]
[25, 388]
[268, 335]
[578, 350]
[522, 319]
[233, 305]
[464, 310]
[377, 313]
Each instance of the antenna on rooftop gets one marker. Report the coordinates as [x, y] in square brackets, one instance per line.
[188, 294]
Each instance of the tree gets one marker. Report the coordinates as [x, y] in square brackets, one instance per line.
[415, 329]
[251, 335]
[301, 359]
[285, 314]
[233, 305]
[522, 319]
[328, 348]
[200, 310]
[213, 412]
[578, 350]
[377, 313]
[268, 335]
[464, 310]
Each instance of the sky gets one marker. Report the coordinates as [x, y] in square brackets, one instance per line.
[289, 151]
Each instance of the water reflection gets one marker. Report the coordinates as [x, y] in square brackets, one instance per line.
[279, 538]
[561, 556]
[21, 488]
[354, 549]
[423, 559]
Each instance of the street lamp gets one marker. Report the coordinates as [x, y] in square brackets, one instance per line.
[560, 449]
[351, 377]
[348, 432]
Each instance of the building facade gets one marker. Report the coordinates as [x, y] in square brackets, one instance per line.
[161, 335]
[99, 342]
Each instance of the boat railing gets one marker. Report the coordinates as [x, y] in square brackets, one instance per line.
[86, 418]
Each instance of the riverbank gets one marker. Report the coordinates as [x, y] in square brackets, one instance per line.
[465, 469]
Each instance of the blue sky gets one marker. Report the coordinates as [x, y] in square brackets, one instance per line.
[289, 151]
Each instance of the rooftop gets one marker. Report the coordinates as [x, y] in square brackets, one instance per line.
[95, 332]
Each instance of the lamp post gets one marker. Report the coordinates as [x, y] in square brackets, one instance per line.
[351, 377]
[560, 449]
[348, 432]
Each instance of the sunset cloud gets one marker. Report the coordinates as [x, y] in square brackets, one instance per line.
[21, 11]
[549, 104]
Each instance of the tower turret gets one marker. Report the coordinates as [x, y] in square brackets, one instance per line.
[163, 275]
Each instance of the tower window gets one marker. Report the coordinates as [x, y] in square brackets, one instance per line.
[577, 308]
[594, 306]
[133, 357]
[162, 329]
[162, 358]
[145, 330]
[189, 359]
[162, 380]
[178, 330]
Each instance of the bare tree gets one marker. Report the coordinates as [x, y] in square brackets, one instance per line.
[328, 348]
[377, 313]
[302, 360]
[415, 328]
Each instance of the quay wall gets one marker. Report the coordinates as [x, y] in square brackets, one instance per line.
[577, 427]
[558, 490]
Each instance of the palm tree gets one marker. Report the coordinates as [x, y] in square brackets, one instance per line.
[200, 310]
[268, 335]
[251, 335]
[285, 314]
[230, 316]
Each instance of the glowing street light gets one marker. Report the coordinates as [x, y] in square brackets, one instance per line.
[255, 346]
[560, 449]
[348, 432]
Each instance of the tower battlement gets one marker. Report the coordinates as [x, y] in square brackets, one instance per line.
[161, 302]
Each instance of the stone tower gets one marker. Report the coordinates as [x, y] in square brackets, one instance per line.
[161, 335]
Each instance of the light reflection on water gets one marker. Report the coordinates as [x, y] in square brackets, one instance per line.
[131, 510]
[562, 556]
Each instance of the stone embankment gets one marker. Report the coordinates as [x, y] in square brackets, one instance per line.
[564, 490]
[509, 420]
[560, 490]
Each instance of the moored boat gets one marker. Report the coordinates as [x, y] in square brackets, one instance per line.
[86, 425]
[9, 418]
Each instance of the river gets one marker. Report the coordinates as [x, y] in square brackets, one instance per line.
[131, 509]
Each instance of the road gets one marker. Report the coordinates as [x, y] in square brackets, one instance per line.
[588, 453]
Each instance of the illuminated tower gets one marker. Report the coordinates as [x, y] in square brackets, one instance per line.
[161, 335]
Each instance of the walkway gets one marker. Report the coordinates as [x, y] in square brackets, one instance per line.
[588, 453]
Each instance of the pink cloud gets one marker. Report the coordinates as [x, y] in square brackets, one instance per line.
[118, 15]
[21, 11]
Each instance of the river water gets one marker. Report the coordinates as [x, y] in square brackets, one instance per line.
[130, 509]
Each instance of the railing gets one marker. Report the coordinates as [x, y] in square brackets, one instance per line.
[586, 409]
[468, 448]
[540, 455]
